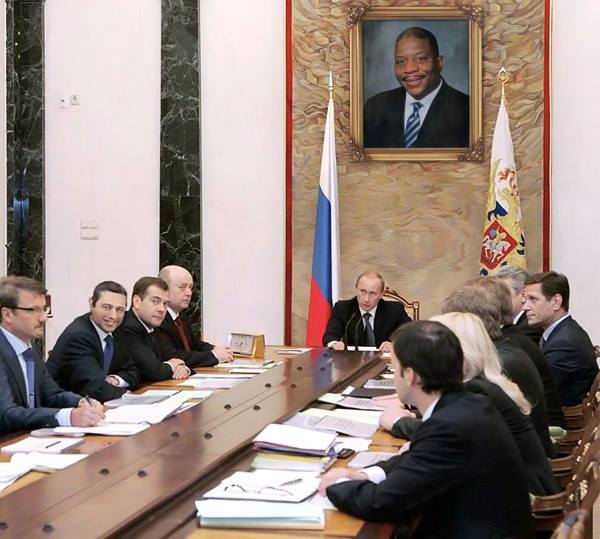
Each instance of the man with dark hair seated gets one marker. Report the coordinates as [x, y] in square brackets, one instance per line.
[88, 358]
[462, 473]
[149, 301]
[565, 344]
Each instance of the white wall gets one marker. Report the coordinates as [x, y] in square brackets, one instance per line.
[575, 249]
[243, 152]
[102, 156]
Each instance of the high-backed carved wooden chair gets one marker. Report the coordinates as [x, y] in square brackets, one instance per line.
[412, 307]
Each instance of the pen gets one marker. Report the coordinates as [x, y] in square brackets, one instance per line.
[52, 444]
[291, 482]
[87, 399]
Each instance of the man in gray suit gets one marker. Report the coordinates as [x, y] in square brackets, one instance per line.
[29, 397]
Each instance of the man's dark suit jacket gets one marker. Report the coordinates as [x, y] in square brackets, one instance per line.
[77, 362]
[463, 474]
[171, 345]
[573, 360]
[533, 332]
[49, 397]
[540, 479]
[551, 396]
[144, 349]
[446, 124]
[341, 325]
[517, 366]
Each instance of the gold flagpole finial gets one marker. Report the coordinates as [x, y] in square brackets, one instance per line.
[330, 85]
[503, 78]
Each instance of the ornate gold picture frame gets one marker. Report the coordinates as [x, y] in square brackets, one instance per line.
[377, 93]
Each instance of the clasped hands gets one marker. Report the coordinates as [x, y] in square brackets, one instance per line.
[88, 413]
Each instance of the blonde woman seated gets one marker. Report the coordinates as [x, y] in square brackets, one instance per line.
[483, 374]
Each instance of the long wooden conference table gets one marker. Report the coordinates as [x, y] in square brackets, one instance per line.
[145, 485]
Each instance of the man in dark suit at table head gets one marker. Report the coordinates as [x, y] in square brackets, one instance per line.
[149, 302]
[451, 481]
[88, 358]
[366, 319]
[424, 112]
[176, 335]
[565, 344]
[29, 397]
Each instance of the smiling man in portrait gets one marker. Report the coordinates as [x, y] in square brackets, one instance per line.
[424, 112]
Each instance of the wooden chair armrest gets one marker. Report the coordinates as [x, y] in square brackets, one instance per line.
[562, 464]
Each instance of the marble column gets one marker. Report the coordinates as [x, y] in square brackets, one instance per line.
[180, 185]
[25, 137]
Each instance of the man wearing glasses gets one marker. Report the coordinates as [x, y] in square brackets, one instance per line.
[88, 357]
[29, 397]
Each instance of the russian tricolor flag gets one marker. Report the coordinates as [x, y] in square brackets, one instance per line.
[325, 282]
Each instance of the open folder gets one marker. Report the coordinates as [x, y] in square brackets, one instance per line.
[295, 440]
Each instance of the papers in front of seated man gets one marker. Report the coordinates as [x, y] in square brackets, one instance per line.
[331, 422]
[295, 440]
[132, 398]
[105, 429]
[350, 402]
[11, 471]
[143, 413]
[42, 445]
[368, 458]
[253, 514]
[379, 384]
[272, 460]
[364, 416]
[362, 349]
[266, 485]
[214, 383]
[42, 462]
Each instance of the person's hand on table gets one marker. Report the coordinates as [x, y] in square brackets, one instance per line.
[332, 476]
[337, 345]
[88, 413]
[385, 347]
[394, 410]
[404, 448]
[180, 372]
[112, 380]
[223, 354]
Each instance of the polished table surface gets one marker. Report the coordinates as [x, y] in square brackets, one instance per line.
[145, 485]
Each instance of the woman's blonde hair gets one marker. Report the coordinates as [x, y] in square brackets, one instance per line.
[480, 355]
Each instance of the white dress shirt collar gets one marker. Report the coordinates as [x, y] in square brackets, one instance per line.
[426, 102]
[173, 314]
[147, 328]
[17, 344]
[551, 328]
[430, 408]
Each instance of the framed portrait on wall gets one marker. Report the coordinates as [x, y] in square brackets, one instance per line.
[415, 83]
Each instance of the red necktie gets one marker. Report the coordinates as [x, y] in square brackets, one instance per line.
[182, 334]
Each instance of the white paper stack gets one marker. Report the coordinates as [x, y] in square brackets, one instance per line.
[379, 384]
[42, 445]
[142, 413]
[43, 462]
[11, 471]
[295, 440]
[368, 458]
[266, 485]
[105, 429]
[265, 515]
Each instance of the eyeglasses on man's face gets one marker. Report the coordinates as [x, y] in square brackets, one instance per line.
[36, 310]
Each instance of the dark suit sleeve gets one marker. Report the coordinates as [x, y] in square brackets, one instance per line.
[199, 356]
[432, 467]
[81, 368]
[14, 417]
[337, 323]
[405, 427]
[144, 355]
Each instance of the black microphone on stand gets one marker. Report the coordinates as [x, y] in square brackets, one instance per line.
[356, 332]
[345, 339]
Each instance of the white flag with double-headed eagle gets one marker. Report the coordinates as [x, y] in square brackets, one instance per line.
[503, 238]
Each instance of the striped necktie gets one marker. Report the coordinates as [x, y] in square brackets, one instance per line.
[30, 370]
[369, 335]
[412, 126]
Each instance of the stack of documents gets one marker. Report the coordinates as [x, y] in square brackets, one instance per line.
[265, 515]
[144, 398]
[293, 351]
[295, 440]
[143, 413]
[351, 402]
[379, 384]
[269, 460]
[11, 471]
[41, 445]
[368, 458]
[42, 462]
[267, 485]
[215, 381]
[103, 428]
[333, 421]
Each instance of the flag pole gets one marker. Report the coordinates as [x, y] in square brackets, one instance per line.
[330, 85]
[503, 78]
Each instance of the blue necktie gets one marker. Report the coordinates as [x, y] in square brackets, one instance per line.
[30, 369]
[369, 335]
[108, 352]
[412, 126]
